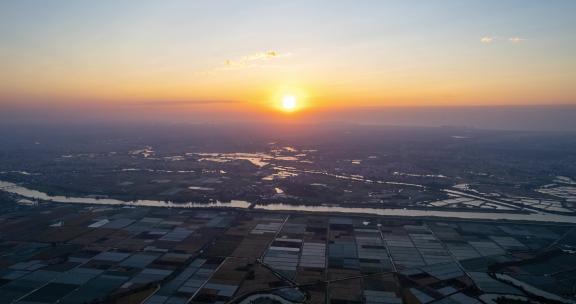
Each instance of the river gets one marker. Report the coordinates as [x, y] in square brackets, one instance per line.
[536, 217]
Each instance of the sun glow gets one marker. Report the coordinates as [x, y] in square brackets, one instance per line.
[289, 103]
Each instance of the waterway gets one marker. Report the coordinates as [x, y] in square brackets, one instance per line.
[537, 217]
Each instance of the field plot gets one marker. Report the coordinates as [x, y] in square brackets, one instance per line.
[163, 256]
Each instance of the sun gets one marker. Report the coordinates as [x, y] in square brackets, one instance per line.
[289, 103]
[289, 100]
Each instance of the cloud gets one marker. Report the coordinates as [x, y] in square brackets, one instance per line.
[493, 39]
[249, 61]
[254, 59]
[181, 102]
[487, 39]
[516, 39]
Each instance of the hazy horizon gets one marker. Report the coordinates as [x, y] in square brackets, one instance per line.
[520, 118]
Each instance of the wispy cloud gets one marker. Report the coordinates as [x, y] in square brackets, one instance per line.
[487, 39]
[516, 39]
[260, 59]
[494, 39]
[253, 59]
[181, 102]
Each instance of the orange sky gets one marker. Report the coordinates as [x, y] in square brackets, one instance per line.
[241, 57]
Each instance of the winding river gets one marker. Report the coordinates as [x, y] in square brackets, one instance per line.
[536, 217]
